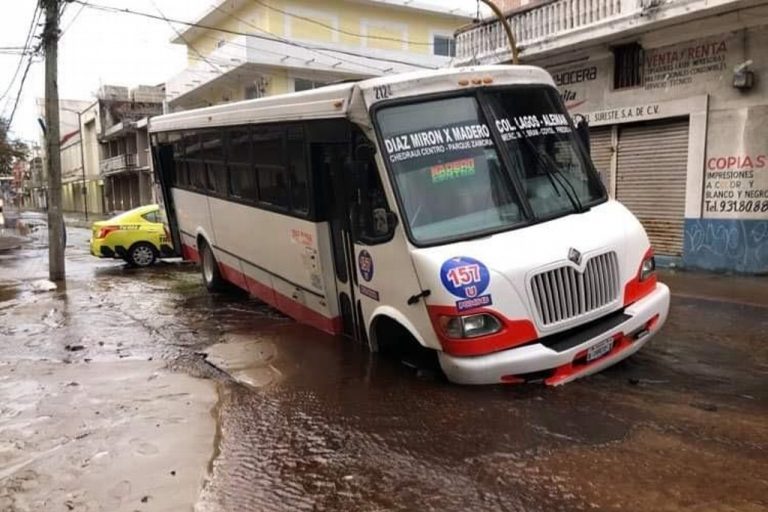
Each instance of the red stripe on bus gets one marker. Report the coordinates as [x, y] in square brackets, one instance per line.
[286, 305]
[233, 276]
[579, 364]
[514, 332]
[190, 253]
[635, 289]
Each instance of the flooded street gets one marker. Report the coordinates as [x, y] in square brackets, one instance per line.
[256, 412]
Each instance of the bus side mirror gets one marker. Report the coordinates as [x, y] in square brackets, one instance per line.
[582, 130]
[384, 222]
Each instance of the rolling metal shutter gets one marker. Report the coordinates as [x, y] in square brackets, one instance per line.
[601, 150]
[650, 179]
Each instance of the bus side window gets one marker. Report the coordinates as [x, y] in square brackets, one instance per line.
[242, 175]
[269, 160]
[195, 162]
[181, 176]
[212, 152]
[297, 171]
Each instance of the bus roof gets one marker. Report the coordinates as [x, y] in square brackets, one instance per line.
[347, 99]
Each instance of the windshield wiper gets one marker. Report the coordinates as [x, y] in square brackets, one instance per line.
[554, 173]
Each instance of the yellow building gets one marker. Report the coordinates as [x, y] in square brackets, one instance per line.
[258, 48]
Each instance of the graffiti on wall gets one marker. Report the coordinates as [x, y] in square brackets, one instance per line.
[725, 244]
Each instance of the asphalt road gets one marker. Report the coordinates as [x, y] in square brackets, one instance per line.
[306, 421]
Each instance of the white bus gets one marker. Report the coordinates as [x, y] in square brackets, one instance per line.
[455, 210]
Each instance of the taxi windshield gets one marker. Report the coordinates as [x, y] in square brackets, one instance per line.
[452, 180]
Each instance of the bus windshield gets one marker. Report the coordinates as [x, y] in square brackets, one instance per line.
[452, 180]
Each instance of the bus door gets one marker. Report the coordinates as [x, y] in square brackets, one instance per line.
[332, 159]
[372, 263]
[164, 175]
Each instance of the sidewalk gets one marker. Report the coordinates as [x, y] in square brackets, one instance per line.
[78, 220]
[736, 289]
[93, 415]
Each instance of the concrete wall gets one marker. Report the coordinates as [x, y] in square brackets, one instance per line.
[219, 62]
[688, 71]
[347, 17]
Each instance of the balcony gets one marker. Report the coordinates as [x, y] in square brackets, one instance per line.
[555, 24]
[118, 164]
[245, 59]
[226, 58]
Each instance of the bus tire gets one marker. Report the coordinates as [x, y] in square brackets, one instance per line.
[396, 342]
[210, 269]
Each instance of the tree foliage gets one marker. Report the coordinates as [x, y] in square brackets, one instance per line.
[10, 150]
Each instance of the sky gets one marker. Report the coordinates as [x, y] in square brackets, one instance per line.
[102, 48]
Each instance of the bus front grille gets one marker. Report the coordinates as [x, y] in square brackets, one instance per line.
[564, 293]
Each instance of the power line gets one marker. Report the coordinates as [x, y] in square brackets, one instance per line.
[234, 32]
[21, 88]
[27, 41]
[72, 21]
[185, 39]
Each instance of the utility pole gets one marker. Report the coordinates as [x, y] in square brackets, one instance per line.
[56, 239]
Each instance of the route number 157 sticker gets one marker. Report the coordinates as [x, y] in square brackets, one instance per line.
[466, 278]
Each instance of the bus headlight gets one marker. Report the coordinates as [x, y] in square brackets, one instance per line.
[470, 326]
[647, 268]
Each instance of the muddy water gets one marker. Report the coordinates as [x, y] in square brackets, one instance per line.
[327, 426]
[682, 426]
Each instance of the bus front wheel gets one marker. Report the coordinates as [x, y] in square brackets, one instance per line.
[210, 267]
[394, 341]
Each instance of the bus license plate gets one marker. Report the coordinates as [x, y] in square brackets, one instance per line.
[599, 350]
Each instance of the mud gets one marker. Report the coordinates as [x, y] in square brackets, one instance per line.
[90, 437]
[91, 419]
[306, 421]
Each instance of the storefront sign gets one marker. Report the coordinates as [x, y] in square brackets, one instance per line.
[736, 165]
[646, 111]
[573, 83]
[737, 186]
[673, 66]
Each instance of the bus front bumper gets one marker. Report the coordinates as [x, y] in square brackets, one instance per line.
[641, 321]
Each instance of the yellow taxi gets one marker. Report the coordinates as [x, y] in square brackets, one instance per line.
[138, 236]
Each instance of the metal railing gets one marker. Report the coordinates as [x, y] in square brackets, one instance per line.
[541, 22]
[117, 163]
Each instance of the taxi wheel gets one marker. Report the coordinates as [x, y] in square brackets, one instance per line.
[142, 254]
[211, 274]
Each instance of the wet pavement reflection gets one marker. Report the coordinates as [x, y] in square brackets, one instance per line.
[324, 425]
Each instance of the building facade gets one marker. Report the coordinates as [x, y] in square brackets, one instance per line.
[19, 175]
[36, 189]
[676, 94]
[114, 149]
[293, 45]
[124, 165]
[74, 196]
[36, 185]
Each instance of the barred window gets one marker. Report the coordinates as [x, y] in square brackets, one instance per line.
[627, 66]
